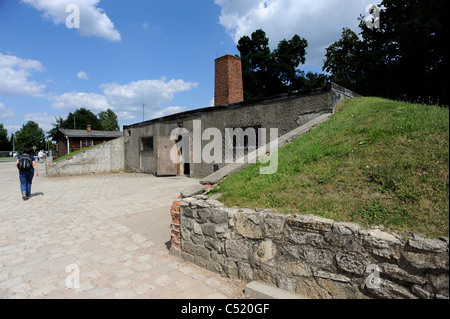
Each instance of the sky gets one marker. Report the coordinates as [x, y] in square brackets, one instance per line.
[143, 59]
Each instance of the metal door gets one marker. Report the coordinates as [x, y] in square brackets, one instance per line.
[164, 165]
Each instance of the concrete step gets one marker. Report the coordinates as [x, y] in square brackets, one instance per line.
[260, 290]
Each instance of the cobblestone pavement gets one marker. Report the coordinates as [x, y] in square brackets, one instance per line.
[112, 230]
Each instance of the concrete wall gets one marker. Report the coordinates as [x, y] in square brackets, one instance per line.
[285, 112]
[105, 158]
[312, 256]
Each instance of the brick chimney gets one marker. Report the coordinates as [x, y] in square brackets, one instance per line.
[89, 128]
[229, 86]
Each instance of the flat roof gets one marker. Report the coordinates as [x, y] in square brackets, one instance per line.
[275, 98]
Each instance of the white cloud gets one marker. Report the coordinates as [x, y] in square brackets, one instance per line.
[169, 111]
[319, 22]
[83, 75]
[93, 20]
[75, 100]
[42, 119]
[152, 93]
[14, 74]
[5, 114]
[127, 100]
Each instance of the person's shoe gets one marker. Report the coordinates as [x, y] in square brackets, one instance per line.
[24, 196]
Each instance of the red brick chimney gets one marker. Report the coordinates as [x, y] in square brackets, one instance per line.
[229, 87]
[89, 128]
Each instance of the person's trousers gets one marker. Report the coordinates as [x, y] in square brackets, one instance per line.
[26, 179]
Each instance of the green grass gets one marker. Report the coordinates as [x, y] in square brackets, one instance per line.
[7, 159]
[74, 153]
[376, 162]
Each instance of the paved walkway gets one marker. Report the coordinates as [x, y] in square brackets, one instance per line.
[111, 229]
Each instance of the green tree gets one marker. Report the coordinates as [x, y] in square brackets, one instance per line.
[56, 126]
[257, 65]
[408, 56]
[288, 57]
[80, 119]
[5, 143]
[108, 120]
[342, 60]
[30, 135]
[267, 73]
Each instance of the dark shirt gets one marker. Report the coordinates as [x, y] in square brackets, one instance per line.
[31, 156]
[33, 159]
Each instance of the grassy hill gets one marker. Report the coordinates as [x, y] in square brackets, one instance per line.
[376, 162]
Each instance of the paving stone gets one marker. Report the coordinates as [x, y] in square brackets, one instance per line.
[116, 258]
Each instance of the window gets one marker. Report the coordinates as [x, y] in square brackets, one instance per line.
[87, 142]
[146, 145]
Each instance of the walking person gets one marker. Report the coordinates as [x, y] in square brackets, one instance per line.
[26, 164]
[41, 156]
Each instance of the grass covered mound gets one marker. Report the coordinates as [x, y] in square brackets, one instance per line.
[376, 162]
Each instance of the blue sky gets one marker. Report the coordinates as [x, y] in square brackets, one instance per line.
[153, 52]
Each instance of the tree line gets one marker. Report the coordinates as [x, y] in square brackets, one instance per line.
[31, 134]
[405, 58]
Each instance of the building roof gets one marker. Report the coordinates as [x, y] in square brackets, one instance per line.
[238, 105]
[88, 134]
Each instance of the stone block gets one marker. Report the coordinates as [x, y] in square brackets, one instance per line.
[331, 276]
[219, 216]
[249, 224]
[389, 290]
[197, 229]
[239, 249]
[310, 223]
[439, 284]
[274, 225]
[201, 215]
[395, 272]
[188, 247]
[265, 252]
[318, 258]
[214, 266]
[345, 228]
[245, 271]
[294, 268]
[381, 244]
[209, 230]
[230, 268]
[301, 237]
[198, 240]
[336, 289]
[422, 244]
[214, 245]
[424, 261]
[352, 262]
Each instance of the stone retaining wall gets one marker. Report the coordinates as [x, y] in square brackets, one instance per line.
[312, 256]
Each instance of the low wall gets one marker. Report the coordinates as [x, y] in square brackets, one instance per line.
[312, 256]
[102, 159]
